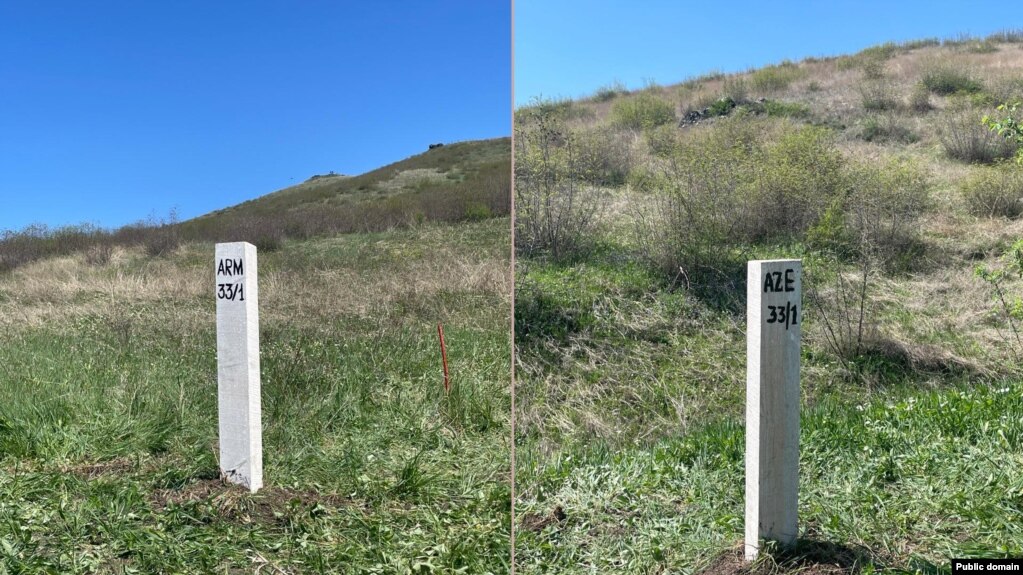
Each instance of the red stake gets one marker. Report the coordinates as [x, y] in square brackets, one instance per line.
[444, 356]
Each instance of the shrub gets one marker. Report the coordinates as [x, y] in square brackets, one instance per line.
[642, 111]
[886, 128]
[945, 79]
[920, 98]
[994, 192]
[161, 241]
[603, 156]
[610, 92]
[781, 109]
[882, 210]
[775, 78]
[964, 138]
[873, 227]
[722, 106]
[747, 180]
[878, 95]
[982, 47]
[735, 89]
[873, 68]
[556, 213]
[99, 254]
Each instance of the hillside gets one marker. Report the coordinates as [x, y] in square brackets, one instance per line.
[454, 169]
[108, 366]
[635, 215]
[462, 181]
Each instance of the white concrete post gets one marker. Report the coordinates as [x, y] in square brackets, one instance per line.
[238, 388]
[774, 316]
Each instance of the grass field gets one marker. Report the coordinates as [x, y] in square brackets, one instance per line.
[108, 449]
[630, 314]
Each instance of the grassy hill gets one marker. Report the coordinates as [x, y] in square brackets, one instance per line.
[635, 215]
[108, 446]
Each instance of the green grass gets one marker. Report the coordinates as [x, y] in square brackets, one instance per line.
[108, 433]
[910, 479]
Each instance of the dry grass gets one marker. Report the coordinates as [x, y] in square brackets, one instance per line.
[66, 288]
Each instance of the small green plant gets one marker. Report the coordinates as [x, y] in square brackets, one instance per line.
[722, 106]
[1008, 126]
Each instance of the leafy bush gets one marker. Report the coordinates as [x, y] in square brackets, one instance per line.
[1007, 126]
[722, 106]
[882, 210]
[994, 192]
[642, 111]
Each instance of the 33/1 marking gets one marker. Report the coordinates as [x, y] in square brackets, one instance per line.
[231, 291]
[787, 314]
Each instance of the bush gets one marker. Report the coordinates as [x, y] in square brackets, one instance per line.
[965, 138]
[878, 95]
[994, 192]
[642, 111]
[603, 156]
[781, 109]
[99, 254]
[873, 227]
[735, 89]
[882, 210]
[775, 78]
[747, 180]
[920, 99]
[886, 128]
[945, 79]
[556, 213]
[722, 106]
[610, 92]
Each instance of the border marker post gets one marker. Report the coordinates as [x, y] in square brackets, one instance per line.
[238, 383]
[773, 321]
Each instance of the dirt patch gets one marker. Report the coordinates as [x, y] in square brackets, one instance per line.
[808, 557]
[537, 522]
[119, 466]
[271, 505]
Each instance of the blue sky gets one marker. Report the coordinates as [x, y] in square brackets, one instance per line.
[113, 111]
[569, 48]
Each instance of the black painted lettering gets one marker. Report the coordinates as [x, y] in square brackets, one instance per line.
[789, 280]
[230, 267]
